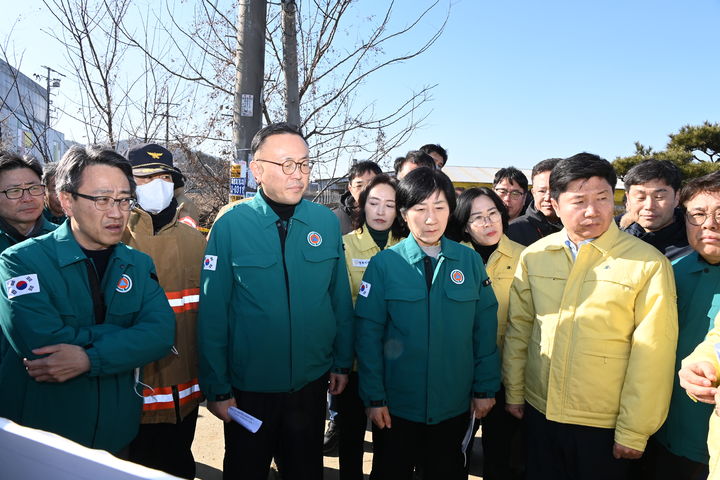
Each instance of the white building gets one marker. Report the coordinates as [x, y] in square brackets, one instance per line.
[23, 113]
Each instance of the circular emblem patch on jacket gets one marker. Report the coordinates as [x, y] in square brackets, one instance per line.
[457, 277]
[314, 239]
[124, 284]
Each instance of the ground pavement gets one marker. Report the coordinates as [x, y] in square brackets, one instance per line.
[208, 449]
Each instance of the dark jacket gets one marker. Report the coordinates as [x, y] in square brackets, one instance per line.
[531, 227]
[344, 212]
[670, 240]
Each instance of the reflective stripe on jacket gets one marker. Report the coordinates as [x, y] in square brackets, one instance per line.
[177, 250]
[592, 342]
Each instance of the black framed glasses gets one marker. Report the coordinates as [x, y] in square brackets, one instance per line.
[104, 203]
[698, 218]
[17, 192]
[289, 167]
[513, 193]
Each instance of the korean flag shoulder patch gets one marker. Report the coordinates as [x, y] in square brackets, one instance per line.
[210, 262]
[364, 289]
[22, 285]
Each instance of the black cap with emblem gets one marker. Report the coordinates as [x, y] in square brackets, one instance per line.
[150, 159]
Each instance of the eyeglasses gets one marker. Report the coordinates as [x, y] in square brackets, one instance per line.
[15, 193]
[513, 193]
[492, 217]
[103, 203]
[289, 167]
[698, 218]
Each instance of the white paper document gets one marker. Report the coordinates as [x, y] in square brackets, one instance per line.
[245, 419]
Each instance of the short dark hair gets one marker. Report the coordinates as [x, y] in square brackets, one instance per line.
[417, 157]
[359, 218]
[464, 209]
[273, 129]
[544, 166]
[709, 183]
[652, 169]
[49, 172]
[11, 161]
[435, 148]
[419, 184]
[512, 174]
[361, 168]
[72, 165]
[580, 166]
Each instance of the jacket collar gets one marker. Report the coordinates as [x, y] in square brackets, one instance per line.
[268, 216]
[504, 247]
[603, 243]
[410, 249]
[68, 251]
[142, 220]
[366, 242]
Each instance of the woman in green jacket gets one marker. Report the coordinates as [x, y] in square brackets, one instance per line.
[377, 226]
[426, 321]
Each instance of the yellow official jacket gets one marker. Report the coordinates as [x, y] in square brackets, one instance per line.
[592, 341]
[359, 249]
[501, 269]
[705, 352]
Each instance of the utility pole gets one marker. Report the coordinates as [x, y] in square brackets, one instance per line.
[49, 84]
[249, 73]
[290, 61]
[167, 119]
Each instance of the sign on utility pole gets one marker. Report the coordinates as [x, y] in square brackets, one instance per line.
[250, 70]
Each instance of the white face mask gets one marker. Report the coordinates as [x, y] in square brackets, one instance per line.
[155, 196]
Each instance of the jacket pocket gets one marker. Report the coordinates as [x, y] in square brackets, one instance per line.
[248, 269]
[405, 307]
[596, 381]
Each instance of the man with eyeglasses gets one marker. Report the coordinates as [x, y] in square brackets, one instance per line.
[540, 219]
[171, 396]
[21, 200]
[511, 185]
[679, 449]
[82, 312]
[275, 322]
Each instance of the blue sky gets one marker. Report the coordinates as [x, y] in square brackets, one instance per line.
[520, 81]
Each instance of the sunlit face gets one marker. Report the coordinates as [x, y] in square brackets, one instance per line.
[652, 204]
[428, 219]
[51, 198]
[512, 195]
[21, 213]
[586, 208]
[380, 207]
[485, 222]
[277, 185]
[357, 185]
[705, 238]
[541, 194]
[92, 228]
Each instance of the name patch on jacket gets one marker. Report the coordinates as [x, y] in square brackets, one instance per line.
[360, 262]
[210, 262]
[17, 286]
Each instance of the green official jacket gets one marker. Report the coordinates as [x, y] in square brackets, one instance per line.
[46, 300]
[7, 240]
[425, 353]
[685, 430]
[270, 322]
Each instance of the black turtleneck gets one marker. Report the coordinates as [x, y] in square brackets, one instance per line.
[17, 236]
[282, 210]
[165, 216]
[380, 237]
[484, 250]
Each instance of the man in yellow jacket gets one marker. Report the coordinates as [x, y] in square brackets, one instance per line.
[590, 345]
